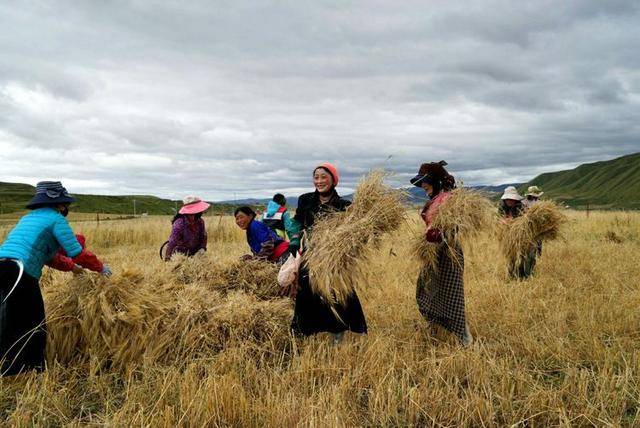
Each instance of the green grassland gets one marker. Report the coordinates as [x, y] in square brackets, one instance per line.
[612, 184]
[14, 197]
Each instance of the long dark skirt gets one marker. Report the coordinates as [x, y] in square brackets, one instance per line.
[440, 291]
[313, 315]
[23, 334]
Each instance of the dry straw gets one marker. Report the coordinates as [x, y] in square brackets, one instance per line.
[257, 277]
[134, 319]
[542, 222]
[460, 218]
[342, 242]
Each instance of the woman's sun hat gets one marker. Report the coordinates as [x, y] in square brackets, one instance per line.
[193, 205]
[50, 193]
[534, 191]
[433, 172]
[511, 193]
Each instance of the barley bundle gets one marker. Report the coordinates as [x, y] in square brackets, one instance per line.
[542, 222]
[108, 320]
[426, 252]
[131, 319]
[257, 277]
[460, 218]
[341, 243]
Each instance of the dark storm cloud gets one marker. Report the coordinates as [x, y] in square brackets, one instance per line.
[245, 98]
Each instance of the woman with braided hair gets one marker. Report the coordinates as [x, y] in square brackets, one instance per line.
[440, 288]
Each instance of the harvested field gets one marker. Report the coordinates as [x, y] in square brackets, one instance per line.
[169, 345]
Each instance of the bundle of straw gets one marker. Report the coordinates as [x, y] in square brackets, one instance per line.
[133, 319]
[258, 277]
[464, 215]
[542, 222]
[341, 243]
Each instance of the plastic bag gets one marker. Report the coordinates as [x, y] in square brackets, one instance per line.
[288, 276]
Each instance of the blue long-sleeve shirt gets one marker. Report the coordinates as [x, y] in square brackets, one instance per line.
[258, 234]
[36, 239]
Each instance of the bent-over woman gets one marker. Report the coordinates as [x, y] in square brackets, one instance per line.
[34, 241]
[188, 232]
[440, 288]
[312, 314]
[512, 206]
[265, 244]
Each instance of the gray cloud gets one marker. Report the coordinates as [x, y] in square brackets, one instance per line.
[245, 98]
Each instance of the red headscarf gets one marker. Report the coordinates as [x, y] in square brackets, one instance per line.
[332, 170]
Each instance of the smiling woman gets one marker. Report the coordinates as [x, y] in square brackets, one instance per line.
[312, 313]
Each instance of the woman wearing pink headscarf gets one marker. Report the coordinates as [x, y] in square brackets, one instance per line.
[188, 233]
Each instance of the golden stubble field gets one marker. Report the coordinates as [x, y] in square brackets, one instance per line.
[561, 349]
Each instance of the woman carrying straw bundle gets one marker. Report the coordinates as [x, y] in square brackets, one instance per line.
[312, 313]
[440, 287]
[265, 244]
[512, 207]
[34, 241]
[188, 233]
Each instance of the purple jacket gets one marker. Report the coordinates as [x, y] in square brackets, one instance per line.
[187, 239]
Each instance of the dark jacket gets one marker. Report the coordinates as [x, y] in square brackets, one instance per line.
[309, 207]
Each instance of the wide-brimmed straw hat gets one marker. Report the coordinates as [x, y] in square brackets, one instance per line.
[50, 193]
[534, 191]
[193, 205]
[511, 193]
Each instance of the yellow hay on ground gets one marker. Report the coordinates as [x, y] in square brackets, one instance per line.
[131, 320]
[257, 277]
[542, 222]
[460, 218]
[341, 243]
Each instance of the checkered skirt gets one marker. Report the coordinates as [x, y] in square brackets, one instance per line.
[440, 291]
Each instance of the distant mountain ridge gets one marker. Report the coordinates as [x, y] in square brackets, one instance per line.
[14, 197]
[612, 184]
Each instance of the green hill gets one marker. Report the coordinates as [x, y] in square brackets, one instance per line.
[612, 184]
[14, 197]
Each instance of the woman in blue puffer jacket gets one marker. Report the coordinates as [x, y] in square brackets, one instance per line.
[29, 246]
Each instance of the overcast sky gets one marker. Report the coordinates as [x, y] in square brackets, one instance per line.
[229, 97]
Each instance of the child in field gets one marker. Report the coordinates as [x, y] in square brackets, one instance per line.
[31, 243]
[265, 244]
[188, 233]
[276, 216]
[440, 289]
[312, 314]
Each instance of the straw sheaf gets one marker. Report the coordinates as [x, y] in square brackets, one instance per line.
[258, 277]
[342, 242]
[542, 222]
[460, 218]
[131, 320]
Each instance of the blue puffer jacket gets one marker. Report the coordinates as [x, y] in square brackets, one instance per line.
[36, 239]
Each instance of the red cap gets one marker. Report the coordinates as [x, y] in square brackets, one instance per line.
[332, 170]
